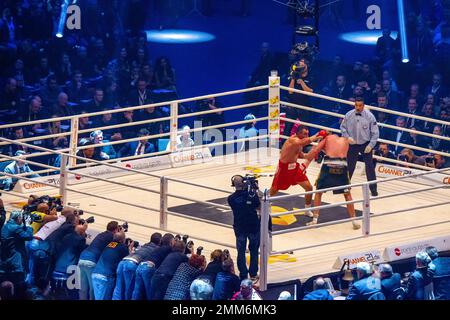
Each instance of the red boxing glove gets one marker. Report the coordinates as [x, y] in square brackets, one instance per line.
[322, 133]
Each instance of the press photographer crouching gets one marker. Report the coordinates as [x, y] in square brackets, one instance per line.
[244, 203]
[13, 258]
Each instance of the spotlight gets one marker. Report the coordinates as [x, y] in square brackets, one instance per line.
[405, 60]
[62, 19]
[403, 41]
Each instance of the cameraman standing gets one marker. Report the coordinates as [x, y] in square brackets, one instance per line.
[246, 225]
[300, 80]
[2, 215]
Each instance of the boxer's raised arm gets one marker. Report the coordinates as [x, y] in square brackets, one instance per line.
[315, 150]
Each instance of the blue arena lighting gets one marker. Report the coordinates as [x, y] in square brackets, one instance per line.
[401, 20]
[364, 37]
[178, 36]
[62, 19]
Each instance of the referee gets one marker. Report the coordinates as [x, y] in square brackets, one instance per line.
[361, 129]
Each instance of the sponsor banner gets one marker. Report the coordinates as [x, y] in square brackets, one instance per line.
[409, 250]
[102, 171]
[372, 257]
[25, 186]
[388, 171]
[274, 110]
[192, 156]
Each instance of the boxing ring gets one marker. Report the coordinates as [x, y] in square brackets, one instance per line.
[147, 190]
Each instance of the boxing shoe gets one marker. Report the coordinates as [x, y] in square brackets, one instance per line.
[312, 223]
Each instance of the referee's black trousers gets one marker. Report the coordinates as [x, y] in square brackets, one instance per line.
[352, 157]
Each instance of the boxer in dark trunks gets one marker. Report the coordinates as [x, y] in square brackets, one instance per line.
[333, 172]
[289, 171]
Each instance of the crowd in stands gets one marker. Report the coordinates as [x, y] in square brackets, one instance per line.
[46, 255]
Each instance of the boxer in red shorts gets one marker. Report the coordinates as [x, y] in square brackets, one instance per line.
[289, 171]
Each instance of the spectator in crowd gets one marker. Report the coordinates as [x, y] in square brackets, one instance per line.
[126, 270]
[90, 256]
[184, 140]
[383, 118]
[17, 167]
[179, 286]
[213, 267]
[167, 269]
[13, 264]
[50, 92]
[62, 107]
[435, 161]
[366, 287]
[61, 142]
[419, 286]
[201, 289]
[83, 124]
[127, 117]
[97, 102]
[227, 283]
[441, 277]
[437, 88]
[141, 95]
[10, 97]
[18, 134]
[320, 291]
[76, 89]
[412, 110]
[385, 48]
[399, 136]
[154, 128]
[147, 268]
[414, 93]
[248, 131]
[386, 75]
[165, 75]
[63, 69]
[436, 143]
[393, 97]
[342, 91]
[210, 119]
[137, 148]
[35, 111]
[418, 140]
[247, 292]
[104, 273]
[104, 152]
[426, 125]
[390, 282]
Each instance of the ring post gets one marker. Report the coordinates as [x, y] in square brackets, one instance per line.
[163, 203]
[173, 126]
[274, 110]
[63, 179]
[73, 141]
[366, 210]
[264, 242]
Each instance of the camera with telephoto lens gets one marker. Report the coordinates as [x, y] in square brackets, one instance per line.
[199, 251]
[88, 220]
[129, 240]
[403, 157]
[297, 71]
[429, 160]
[225, 254]
[189, 244]
[251, 185]
[52, 202]
[124, 227]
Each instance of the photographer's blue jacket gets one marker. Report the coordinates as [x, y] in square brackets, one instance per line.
[13, 252]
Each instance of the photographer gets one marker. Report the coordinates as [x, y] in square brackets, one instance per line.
[383, 151]
[2, 215]
[42, 215]
[408, 155]
[435, 161]
[73, 243]
[300, 80]
[126, 271]
[13, 259]
[90, 256]
[246, 224]
[104, 273]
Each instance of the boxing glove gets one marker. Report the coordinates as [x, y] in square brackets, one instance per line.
[322, 133]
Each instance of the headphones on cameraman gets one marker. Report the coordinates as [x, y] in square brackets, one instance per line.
[234, 177]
